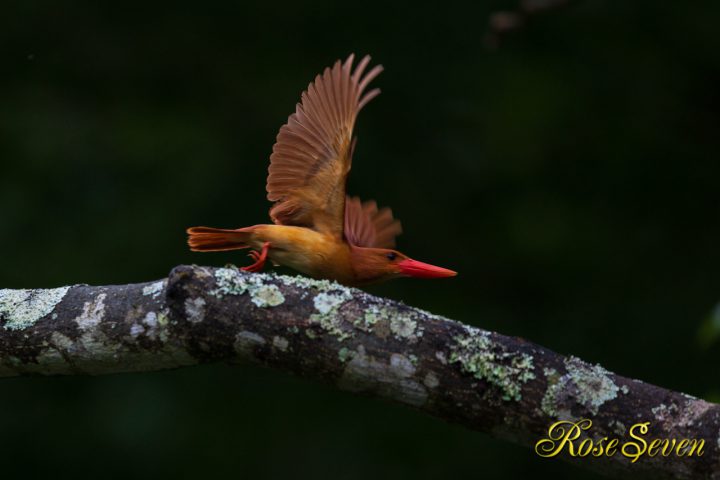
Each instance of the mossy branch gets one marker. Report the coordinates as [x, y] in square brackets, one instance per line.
[504, 386]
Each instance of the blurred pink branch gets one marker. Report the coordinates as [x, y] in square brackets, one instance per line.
[503, 22]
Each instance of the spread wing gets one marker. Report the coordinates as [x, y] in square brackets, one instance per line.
[366, 226]
[313, 152]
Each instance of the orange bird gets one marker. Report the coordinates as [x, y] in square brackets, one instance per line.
[316, 229]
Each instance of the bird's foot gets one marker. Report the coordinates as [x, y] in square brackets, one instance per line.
[259, 259]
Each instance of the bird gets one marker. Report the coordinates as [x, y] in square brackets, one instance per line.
[317, 229]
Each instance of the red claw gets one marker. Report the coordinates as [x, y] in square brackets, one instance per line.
[259, 259]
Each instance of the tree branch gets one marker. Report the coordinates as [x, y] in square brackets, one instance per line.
[504, 386]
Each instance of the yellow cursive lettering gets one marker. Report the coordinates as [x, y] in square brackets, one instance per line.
[563, 435]
[612, 447]
[635, 450]
[560, 434]
[699, 444]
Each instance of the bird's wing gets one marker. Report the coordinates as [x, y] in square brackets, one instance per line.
[366, 226]
[313, 152]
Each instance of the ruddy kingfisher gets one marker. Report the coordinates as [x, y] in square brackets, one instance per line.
[317, 229]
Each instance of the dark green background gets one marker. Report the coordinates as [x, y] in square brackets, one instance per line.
[571, 177]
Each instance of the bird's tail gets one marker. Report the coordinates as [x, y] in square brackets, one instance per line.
[206, 239]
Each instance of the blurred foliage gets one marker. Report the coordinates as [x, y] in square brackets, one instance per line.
[571, 177]
[709, 330]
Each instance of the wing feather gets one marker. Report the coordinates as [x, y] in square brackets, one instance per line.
[366, 226]
[312, 154]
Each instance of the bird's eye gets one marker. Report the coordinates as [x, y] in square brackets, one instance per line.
[391, 256]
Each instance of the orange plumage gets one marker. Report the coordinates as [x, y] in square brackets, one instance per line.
[316, 228]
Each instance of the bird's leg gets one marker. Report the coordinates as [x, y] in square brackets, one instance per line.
[259, 259]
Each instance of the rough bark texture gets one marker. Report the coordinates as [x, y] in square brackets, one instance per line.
[504, 386]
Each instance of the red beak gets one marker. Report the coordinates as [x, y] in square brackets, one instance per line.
[413, 268]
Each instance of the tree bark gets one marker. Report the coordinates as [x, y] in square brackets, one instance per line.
[504, 386]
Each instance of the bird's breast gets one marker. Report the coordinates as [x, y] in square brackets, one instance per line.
[308, 251]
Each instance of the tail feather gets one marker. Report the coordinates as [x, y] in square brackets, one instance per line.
[206, 239]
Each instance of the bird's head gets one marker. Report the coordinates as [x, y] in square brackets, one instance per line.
[378, 264]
